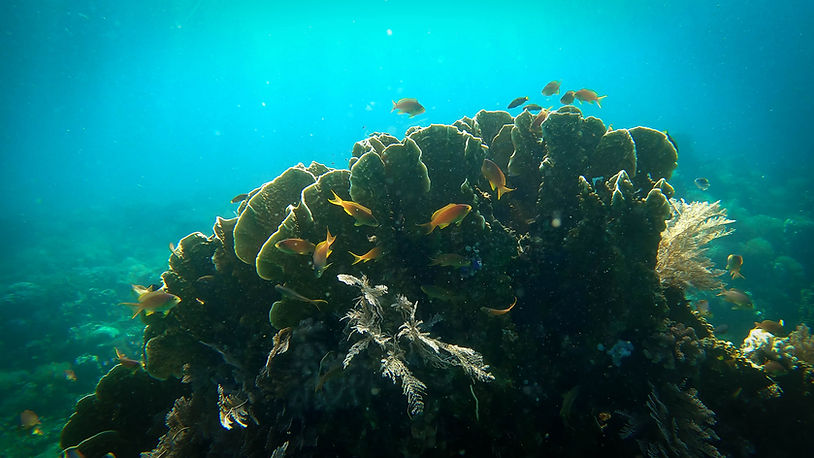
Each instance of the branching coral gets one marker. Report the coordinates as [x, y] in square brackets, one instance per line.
[682, 259]
[375, 324]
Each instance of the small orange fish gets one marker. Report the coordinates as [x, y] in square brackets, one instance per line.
[29, 419]
[518, 101]
[125, 361]
[321, 253]
[362, 214]
[734, 262]
[568, 98]
[446, 215]
[741, 300]
[494, 175]
[371, 255]
[498, 312]
[540, 118]
[70, 375]
[532, 107]
[451, 260]
[408, 106]
[551, 88]
[151, 301]
[239, 198]
[291, 294]
[295, 246]
[587, 95]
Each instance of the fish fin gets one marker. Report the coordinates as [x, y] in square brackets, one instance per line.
[336, 200]
[395, 105]
[357, 223]
[356, 258]
[598, 99]
[428, 227]
[322, 301]
[138, 310]
[502, 190]
[737, 275]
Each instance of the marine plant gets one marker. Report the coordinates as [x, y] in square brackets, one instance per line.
[269, 352]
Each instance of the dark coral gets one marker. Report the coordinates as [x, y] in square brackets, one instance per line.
[597, 354]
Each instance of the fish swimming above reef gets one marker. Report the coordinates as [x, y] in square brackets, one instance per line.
[532, 107]
[30, 420]
[408, 106]
[443, 294]
[70, 375]
[125, 361]
[494, 175]
[451, 260]
[446, 215]
[362, 214]
[740, 299]
[587, 95]
[517, 102]
[734, 262]
[321, 253]
[289, 293]
[568, 98]
[151, 301]
[371, 255]
[776, 328]
[701, 183]
[551, 88]
[295, 246]
[498, 312]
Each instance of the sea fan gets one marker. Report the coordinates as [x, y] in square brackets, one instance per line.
[682, 260]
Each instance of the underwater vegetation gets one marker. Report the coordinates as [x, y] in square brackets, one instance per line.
[521, 291]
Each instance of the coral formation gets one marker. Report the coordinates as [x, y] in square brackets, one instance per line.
[588, 249]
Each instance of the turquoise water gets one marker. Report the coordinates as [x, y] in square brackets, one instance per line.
[126, 126]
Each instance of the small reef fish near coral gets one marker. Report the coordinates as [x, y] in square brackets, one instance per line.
[446, 215]
[739, 299]
[734, 262]
[494, 175]
[517, 102]
[553, 87]
[568, 97]
[408, 106]
[587, 95]
[295, 246]
[321, 253]
[701, 183]
[150, 301]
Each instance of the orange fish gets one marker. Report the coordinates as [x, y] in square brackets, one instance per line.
[518, 101]
[568, 98]
[497, 180]
[29, 419]
[451, 260]
[446, 215]
[734, 262]
[551, 88]
[321, 253]
[125, 361]
[152, 301]
[587, 95]
[408, 106]
[295, 246]
[540, 118]
[498, 312]
[371, 255]
[70, 375]
[362, 214]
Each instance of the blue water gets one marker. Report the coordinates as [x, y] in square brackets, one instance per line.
[127, 125]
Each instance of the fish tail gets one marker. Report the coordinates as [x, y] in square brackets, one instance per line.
[503, 190]
[428, 227]
[336, 200]
[319, 301]
[395, 106]
[598, 99]
[737, 275]
[356, 258]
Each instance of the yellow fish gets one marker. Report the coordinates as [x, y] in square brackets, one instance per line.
[295, 246]
[497, 180]
[734, 262]
[152, 301]
[498, 312]
[369, 256]
[446, 215]
[587, 95]
[321, 253]
[362, 214]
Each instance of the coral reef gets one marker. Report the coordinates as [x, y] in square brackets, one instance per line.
[598, 350]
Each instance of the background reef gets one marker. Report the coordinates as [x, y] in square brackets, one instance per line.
[599, 353]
